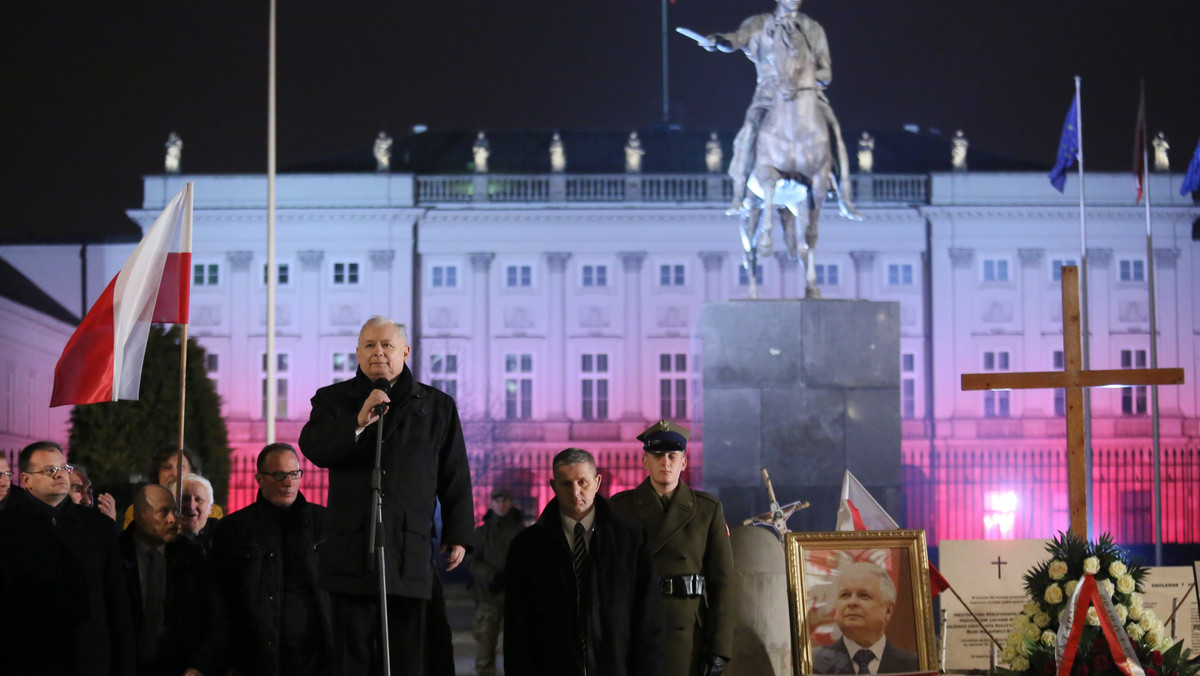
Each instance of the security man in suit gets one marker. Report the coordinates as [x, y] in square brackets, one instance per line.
[692, 555]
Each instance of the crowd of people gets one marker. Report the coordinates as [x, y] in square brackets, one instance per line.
[638, 585]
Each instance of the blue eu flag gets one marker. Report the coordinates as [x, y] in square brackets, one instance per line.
[1191, 180]
[1068, 148]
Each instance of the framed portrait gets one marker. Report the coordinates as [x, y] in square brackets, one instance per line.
[859, 602]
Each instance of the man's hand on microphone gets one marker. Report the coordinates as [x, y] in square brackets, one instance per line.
[457, 552]
[367, 414]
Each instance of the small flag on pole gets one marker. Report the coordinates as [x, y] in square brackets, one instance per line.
[1139, 144]
[1191, 180]
[859, 511]
[1068, 147]
[103, 359]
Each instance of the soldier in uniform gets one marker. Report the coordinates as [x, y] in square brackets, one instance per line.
[692, 555]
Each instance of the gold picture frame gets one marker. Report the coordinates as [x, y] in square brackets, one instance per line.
[815, 564]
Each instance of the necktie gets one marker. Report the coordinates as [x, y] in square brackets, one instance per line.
[666, 502]
[863, 658]
[152, 609]
[582, 605]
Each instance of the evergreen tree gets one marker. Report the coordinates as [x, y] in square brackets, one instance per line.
[115, 440]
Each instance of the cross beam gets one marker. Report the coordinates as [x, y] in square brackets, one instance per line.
[1073, 378]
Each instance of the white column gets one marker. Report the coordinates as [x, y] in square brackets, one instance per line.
[481, 329]
[556, 336]
[314, 367]
[963, 283]
[632, 262]
[247, 357]
[1034, 353]
[379, 291]
[1166, 282]
[864, 274]
[787, 276]
[1099, 313]
[713, 262]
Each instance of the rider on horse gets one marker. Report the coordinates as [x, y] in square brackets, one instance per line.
[757, 37]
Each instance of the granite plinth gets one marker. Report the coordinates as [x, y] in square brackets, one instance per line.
[806, 389]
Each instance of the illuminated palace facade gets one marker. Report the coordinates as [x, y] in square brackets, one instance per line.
[558, 309]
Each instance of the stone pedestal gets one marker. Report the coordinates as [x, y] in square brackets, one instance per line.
[806, 389]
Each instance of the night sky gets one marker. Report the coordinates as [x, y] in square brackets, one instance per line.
[92, 89]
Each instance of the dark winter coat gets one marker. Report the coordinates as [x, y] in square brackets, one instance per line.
[195, 631]
[486, 563]
[247, 555]
[540, 621]
[63, 596]
[424, 460]
[690, 538]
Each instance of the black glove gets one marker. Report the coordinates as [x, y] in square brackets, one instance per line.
[716, 664]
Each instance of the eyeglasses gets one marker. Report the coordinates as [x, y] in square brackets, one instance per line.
[51, 471]
[6, 475]
[280, 476]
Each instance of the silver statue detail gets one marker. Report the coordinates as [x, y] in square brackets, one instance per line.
[713, 156]
[174, 159]
[633, 154]
[790, 142]
[958, 151]
[383, 152]
[866, 153]
[558, 155]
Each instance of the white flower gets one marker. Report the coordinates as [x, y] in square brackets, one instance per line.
[1135, 600]
[1154, 637]
[1014, 639]
[1135, 632]
[1116, 569]
[1021, 649]
[1122, 613]
[1093, 618]
[1091, 565]
[1165, 644]
[1135, 612]
[1054, 594]
[1049, 637]
[1008, 655]
[1126, 584]
[1069, 587]
[1031, 608]
[1148, 619]
[1041, 620]
[1058, 569]
[1020, 622]
[1019, 664]
[1032, 632]
[1108, 587]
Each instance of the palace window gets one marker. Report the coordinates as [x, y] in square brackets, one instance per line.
[900, 274]
[444, 370]
[670, 275]
[672, 386]
[996, 402]
[1133, 399]
[1056, 267]
[908, 386]
[281, 386]
[593, 386]
[444, 276]
[518, 386]
[1132, 270]
[206, 274]
[344, 365]
[345, 273]
[282, 274]
[595, 275]
[827, 274]
[744, 279]
[995, 270]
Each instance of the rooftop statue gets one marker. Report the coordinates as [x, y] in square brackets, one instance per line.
[712, 154]
[866, 153]
[174, 159]
[481, 151]
[383, 152]
[558, 155]
[790, 142]
[1160, 145]
[958, 151]
[633, 154]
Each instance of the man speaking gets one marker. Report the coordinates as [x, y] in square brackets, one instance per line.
[424, 461]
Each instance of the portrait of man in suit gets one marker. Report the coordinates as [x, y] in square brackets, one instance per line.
[865, 600]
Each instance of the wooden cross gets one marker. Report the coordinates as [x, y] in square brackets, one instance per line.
[1073, 379]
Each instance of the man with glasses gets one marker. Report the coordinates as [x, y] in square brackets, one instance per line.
[266, 562]
[52, 554]
[5, 479]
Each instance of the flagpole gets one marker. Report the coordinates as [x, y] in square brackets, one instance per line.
[271, 393]
[186, 246]
[1154, 420]
[666, 106]
[1083, 304]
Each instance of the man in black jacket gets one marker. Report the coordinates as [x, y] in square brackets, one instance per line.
[424, 462]
[53, 553]
[584, 604]
[177, 611]
[266, 562]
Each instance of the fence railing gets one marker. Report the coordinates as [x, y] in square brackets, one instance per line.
[716, 189]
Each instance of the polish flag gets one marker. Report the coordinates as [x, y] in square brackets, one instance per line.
[859, 511]
[103, 359]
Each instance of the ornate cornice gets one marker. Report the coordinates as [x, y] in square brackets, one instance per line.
[864, 261]
[482, 261]
[1166, 258]
[632, 261]
[382, 259]
[1099, 258]
[961, 258]
[310, 260]
[1031, 258]
[713, 260]
[557, 260]
[239, 261]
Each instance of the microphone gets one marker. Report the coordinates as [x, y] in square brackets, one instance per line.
[381, 384]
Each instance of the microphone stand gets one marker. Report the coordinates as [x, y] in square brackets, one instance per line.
[375, 542]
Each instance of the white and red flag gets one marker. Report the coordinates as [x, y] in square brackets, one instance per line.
[1139, 144]
[103, 359]
[859, 511]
